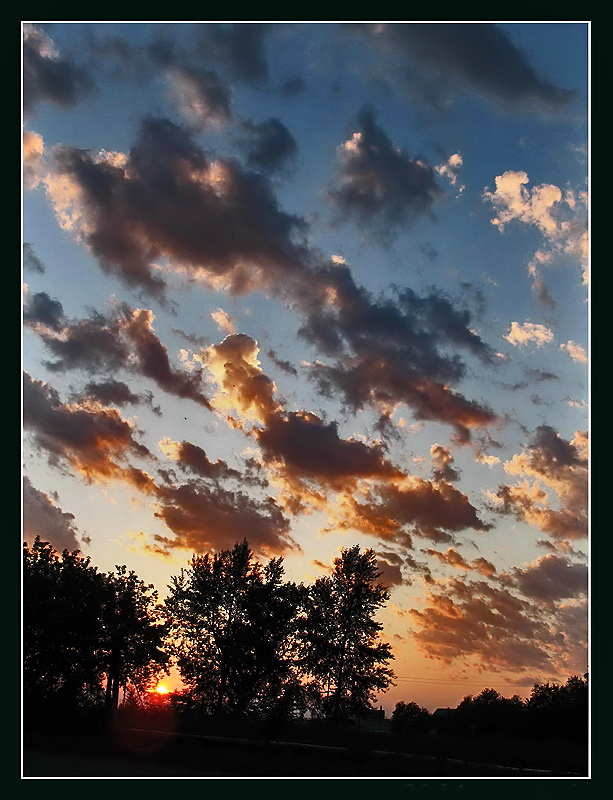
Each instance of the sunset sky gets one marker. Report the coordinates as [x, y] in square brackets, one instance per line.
[317, 285]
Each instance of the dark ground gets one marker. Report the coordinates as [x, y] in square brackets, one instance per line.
[299, 752]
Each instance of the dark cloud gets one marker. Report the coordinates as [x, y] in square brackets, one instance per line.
[47, 76]
[552, 578]
[443, 460]
[42, 517]
[204, 518]
[118, 393]
[292, 86]
[240, 46]
[269, 145]
[192, 457]
[125, 340]
[201, 96]
[380, 186]
[224, 225]
[456, 559]
[495, 628]
[282, 364]
[40, 309]
[95, 441]
[31, 261]
[481, 57]
[388, 353]
[312, 449]
[389, 509]
[553, 492]
[169, 201]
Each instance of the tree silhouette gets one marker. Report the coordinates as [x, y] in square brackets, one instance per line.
[409, 718]
[132, 634]
[343, 653]
[83, 629]
[234, 627]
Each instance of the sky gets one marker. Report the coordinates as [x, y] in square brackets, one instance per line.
[317, 284]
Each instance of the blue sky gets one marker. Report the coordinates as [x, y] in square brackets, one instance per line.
[320, 284]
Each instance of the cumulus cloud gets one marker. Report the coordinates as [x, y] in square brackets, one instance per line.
[223, 321]
[442, 460]
[166, 200]
[123, 340]
[478, 57]
[40, 309]
[496, 628]
[552, 492]
[575, 351]
[33, 161]
[391, 352]
[240, 46]
[561, 217]
[269, 145]
[117, 393]
[552, 578]
[95, 441]
[46, 75]
[379, 185]
[42, 517]
[456, 559]
[31, 261]
[207, 519]
[529, 333]
[201, 96]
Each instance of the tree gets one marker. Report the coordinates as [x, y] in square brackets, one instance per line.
[234, 625]
[560, 711]
[489, 712]
[63, 596]
[409, 718]
[343, 653]
[84, 630]
[132, 634]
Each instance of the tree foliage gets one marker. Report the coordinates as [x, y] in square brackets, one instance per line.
[344, 657]
[85, 633]
[234, 627]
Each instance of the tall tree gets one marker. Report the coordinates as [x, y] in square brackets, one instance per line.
[132, 634]
[63, 597]
[85, 633]
[344, 656]
[234, 627]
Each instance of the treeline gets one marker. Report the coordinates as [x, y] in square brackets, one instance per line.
[552, 711]
[244, 640]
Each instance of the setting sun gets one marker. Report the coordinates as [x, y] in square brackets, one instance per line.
[162, 690]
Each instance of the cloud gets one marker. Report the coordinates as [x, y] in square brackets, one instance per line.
[478, 57]
[40, 309]
[34, 166]
[450, 170]
[201, 96]
[212, 518]
[379, 185]
[391, 352]
[42, 517]
[553, 494]
[529, 332]
[116, 392]
[389, 509]
[193, 458]
[443, 460]
[240, 46]
[224, 321]
[575, 351]
[166, 200]
[552, 578]
[46, 75]
[493, 628]
[269, 145]
[561, 217]
[131, 212]
[31, 261]
[124, 340]
[96, 442]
